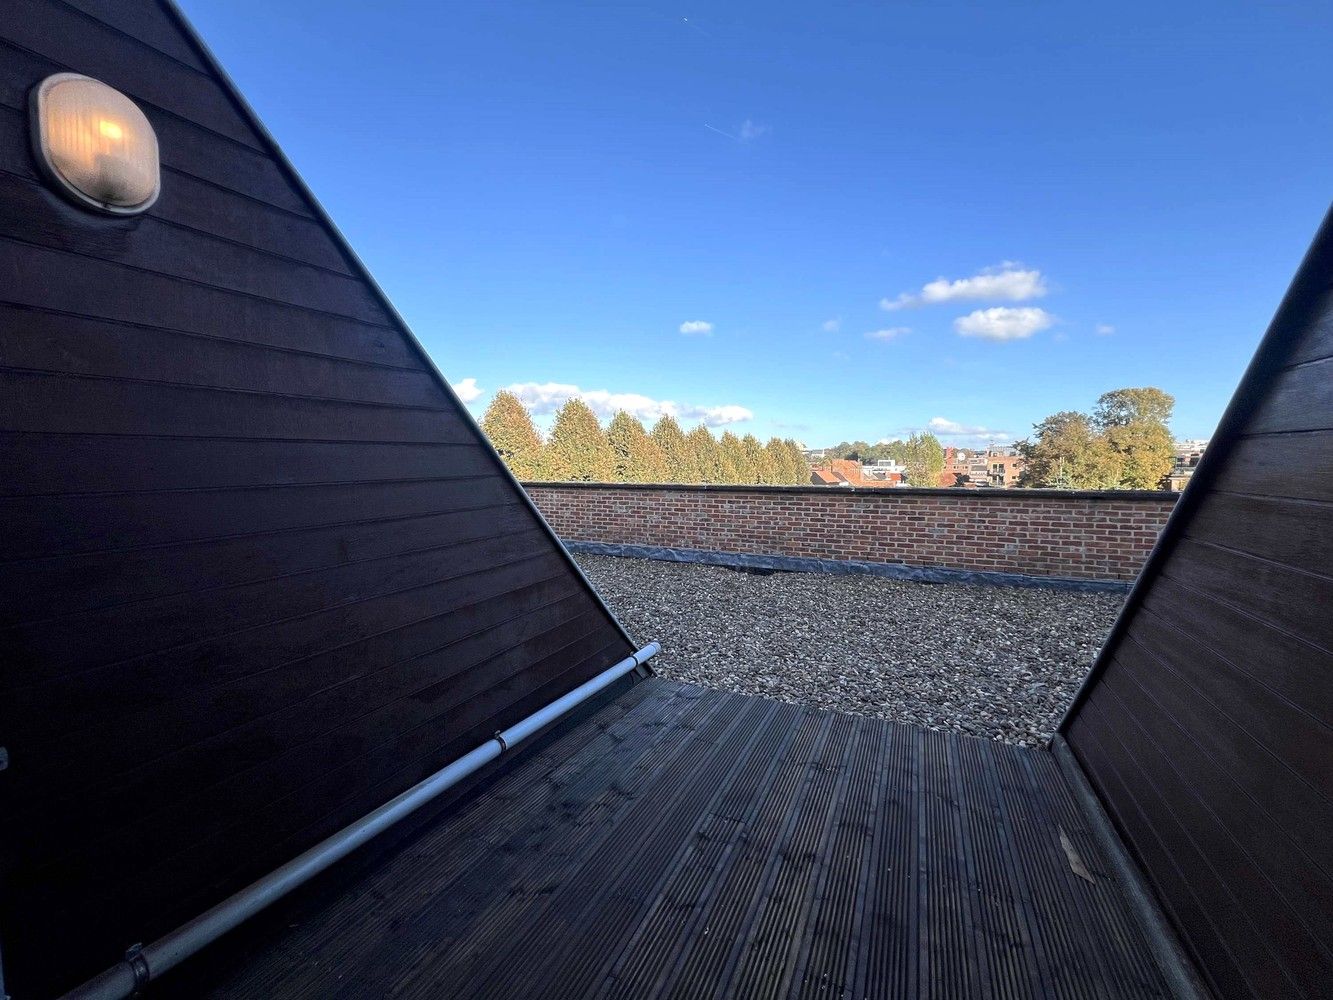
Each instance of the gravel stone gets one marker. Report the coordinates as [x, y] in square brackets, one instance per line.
[996, 662]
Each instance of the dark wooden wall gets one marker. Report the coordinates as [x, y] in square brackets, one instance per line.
[258, 573]
[1206, 726]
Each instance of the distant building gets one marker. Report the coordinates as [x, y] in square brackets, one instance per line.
[998, 467]
[1188, 453]
[845, 472]
[1003, 468]
[883, 470]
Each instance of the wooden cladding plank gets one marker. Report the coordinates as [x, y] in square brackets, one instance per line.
[234, 850]
[197, 204]
[182, 145]
[1297, 533]
[223, 762]
[1186, 887]
[71, 283]
[239, 846]
[76, 464]
[143, 22]
[60, 404]
[56, 343]
[293, 655]
[34, 214]
[49, 589]
[81, 45]
[1243, 691]
[1300, 399]
[1298, 672]
[1291, 600]
[184, 620]
[1316, 341]
[60, 527]
[203, 206]
[1279, 816]
[1285, 898]
[1298, 466]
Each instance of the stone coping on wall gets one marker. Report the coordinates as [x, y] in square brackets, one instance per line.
[843, 567]
[996, 493]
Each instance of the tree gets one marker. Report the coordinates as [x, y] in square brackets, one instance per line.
[798, 469]
[755, 464]
[708, 457]
[737, 458]
[511, 432]
[1068, 454]
[924, 458]
[638, 459]
[1134, 424]
[680, 464]
[775, 463]
[578, 450]
[1122, 407]
[855, 451]
[1146, 451]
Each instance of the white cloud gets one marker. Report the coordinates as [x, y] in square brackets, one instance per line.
[467, 389]
[696, 328]
[962, 435]
[892, 333]
[546, 397]
[1008, 281]
[1104, 329]
[1003, 323]
[831, 325]
[752, 130]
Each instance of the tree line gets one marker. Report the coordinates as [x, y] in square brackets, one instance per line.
[579, 449]
[1123, 444]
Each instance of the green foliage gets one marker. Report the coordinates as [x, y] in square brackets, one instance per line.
[737, 458]
[861, 451]
[1122, 407]
[1125, 444]
[1067, 454]
[712, 464]
[797, 468]
[924, 459]
[681, 466]
[638, 459]
[775, 463]
[1146, 451]
[511, 431]
[578, 450]
[756, 464]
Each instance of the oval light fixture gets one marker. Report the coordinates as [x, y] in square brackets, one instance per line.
[95, 144]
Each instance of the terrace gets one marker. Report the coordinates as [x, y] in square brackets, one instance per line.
[302, 697]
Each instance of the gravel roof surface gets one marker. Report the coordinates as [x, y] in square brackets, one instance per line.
[997, 662]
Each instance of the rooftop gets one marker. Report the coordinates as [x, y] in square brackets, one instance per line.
[996, 662]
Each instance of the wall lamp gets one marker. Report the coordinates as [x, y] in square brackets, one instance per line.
[94, 144]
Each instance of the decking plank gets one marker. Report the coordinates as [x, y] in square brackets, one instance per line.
[703, 844]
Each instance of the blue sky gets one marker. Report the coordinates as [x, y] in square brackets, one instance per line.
[549, 192]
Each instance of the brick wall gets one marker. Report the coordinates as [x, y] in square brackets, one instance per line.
[1080, 535]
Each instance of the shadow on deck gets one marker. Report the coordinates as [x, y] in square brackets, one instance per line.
[690, 843]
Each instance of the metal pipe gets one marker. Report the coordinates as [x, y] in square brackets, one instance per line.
[149, 962]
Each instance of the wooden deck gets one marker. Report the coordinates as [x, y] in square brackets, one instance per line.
[693, 844]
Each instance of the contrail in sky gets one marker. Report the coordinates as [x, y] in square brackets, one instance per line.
[733, 138]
